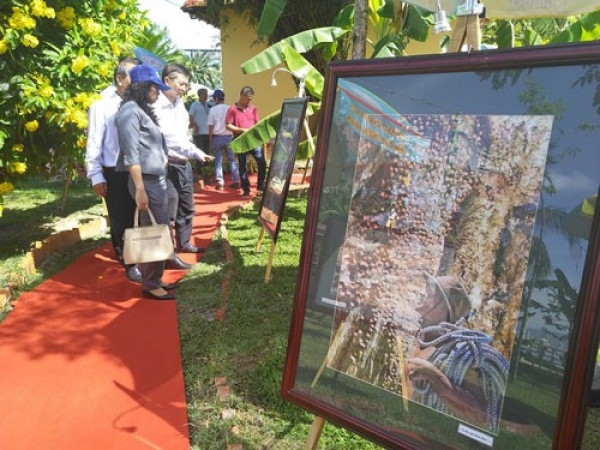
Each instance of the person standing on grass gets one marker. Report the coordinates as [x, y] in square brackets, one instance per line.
[174, 121]
[101, 153]
[241, 116]
[220, 138]
[144, 156]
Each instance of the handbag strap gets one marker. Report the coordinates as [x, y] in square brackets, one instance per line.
[136, 217]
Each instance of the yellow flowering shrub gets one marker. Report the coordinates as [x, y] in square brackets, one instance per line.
[55, 58]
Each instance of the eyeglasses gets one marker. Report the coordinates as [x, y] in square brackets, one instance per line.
[182, 84]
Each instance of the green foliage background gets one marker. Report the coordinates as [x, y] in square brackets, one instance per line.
[55, 56]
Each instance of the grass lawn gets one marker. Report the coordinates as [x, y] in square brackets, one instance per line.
[247, 348]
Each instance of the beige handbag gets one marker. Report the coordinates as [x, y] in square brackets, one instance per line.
[148, 243]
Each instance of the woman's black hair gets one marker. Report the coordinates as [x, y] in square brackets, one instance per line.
[140, 93]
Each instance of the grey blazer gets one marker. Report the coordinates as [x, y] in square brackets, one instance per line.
[140, 140]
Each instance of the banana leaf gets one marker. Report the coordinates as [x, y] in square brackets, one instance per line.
[298, 64]
[302, 42]
[585, 29]
[265, 130]
[270, 15]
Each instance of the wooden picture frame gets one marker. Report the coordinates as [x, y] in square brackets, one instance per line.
[281, 167]
[468, 268]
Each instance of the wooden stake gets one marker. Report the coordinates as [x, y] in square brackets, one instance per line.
[403, 380]
[466, 30]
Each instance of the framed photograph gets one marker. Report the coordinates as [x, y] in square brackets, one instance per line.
[465, 280]
[281, 167]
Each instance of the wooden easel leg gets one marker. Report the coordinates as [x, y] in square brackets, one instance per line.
[260, 238]
[315, 433]
[270, 263]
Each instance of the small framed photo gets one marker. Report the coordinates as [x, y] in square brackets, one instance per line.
[281, 167]
[449, 281]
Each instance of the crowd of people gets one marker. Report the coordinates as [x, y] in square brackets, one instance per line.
[139, 154]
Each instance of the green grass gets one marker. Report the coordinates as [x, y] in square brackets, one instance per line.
[247, 347]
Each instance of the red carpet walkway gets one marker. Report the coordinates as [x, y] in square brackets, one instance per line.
[85, 363]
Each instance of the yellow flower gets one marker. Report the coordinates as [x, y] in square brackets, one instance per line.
[122, 16]
[105, 69]
[21, 21]
[80, 63]
[18, 147]
[6, 187]
[1, 210]
[32, 126]
[81, 141]
[3, 46]
[66, 17]
[29, 40]
[46, 91]
[90, 27]
[116, 50]
[39, 8]
[17, 167]
[79, 118]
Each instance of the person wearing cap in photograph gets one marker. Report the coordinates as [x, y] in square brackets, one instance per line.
[144, 156]
[220, 138]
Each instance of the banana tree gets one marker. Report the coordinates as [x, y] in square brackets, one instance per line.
[393, 22]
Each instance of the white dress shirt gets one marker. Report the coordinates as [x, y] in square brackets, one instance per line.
[174, 121]
[102, 148]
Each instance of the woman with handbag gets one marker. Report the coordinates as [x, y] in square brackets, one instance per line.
[144, 156]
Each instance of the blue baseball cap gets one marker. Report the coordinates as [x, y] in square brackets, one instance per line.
[146, 74]
[219, 94]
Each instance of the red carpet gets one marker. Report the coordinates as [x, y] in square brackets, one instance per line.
[85, 363]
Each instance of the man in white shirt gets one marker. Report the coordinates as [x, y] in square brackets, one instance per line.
[174, 122]
[220, 138]
[102, 151]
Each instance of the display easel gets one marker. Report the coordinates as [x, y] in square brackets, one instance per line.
[271, 253]
[466, 31]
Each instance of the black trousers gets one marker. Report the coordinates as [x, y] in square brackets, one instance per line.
[180, 192]
[120, 205]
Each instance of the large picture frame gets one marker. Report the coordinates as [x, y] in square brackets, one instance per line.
[281, 167]
[467, 284]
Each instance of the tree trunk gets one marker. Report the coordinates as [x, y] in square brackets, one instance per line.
[359, 39]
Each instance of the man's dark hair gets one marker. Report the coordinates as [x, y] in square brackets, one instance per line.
[121, 70]
[173, 68]
[140, 93]
[247, 90]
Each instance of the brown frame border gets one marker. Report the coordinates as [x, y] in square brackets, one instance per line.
[579, 368]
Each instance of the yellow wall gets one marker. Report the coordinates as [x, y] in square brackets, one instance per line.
[238, 45]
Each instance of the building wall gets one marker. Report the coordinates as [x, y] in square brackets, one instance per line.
[238, 44]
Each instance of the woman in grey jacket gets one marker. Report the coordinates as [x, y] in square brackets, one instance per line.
[143, 155]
